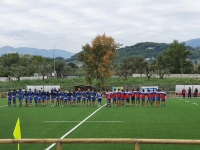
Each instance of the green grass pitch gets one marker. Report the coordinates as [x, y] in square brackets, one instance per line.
[178, 120]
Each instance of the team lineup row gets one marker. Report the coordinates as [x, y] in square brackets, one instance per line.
[118, 97]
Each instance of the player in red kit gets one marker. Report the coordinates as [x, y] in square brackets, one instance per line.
[108, 97]
[118, 97]
[158, 98]
[143, 95]
[153, 94]
[122, 98]
[148, 98]
[137, 95]
[114, 97]
[133, 97]
[127, 95]
[163, 96]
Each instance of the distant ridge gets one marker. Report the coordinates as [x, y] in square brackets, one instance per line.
[193, 42]
[35, 51]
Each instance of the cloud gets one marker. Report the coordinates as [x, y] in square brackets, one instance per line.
[69, 24]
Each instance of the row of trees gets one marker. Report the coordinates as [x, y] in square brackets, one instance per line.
[173, 60]
[15, 65]
[99, 61]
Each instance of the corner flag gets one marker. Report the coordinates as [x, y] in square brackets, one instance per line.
[17, 131]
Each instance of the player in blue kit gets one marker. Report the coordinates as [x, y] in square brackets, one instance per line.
[20, 97]
[57, 98]
[35, 96]
[48, 99]
[61, 98]
[93, 94]
[30, 95]
[26, 97]
[53, 93]
[44, 96]
[14, 96]
[88, 93]
[78, 95]
[65, 98]
[9, 94]
[74, 99]
[39, 98]
[69, 100]
[99, 97]
[83, 97]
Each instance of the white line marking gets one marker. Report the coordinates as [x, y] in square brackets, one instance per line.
[52, 145]
[195, 103]
[80, 121]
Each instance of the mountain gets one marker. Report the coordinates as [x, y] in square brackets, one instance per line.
[35, 51]
[193, 42]
[144, 49]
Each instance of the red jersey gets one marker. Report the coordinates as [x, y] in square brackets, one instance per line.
[153, 94]
[119, 94]
[143, 94]
[163, 95]
[149, 95]
[157, 94]
[132, 94]
[128, 94]
[122, 95]
[114, 95]
[108, 95]
[137, 94]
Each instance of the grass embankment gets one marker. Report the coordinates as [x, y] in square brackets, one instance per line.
[68, 84]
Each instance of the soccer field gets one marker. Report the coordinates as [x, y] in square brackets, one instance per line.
[180, 119]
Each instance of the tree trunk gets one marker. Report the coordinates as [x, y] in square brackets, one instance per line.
[18, 78]
[43, 77]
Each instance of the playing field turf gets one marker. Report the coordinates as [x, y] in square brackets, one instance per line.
[180, 119]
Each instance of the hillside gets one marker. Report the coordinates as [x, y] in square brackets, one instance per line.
[193, 42]
[144, 49]
[35, 51]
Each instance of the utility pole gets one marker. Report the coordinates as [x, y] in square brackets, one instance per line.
[54, 66]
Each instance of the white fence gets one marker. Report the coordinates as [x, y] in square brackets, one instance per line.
[5, 79]
[171, 75]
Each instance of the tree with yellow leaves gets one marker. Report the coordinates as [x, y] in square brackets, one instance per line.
[98, 58]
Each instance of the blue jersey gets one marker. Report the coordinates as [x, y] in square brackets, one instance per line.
[26, 95]
[69, 96]
[79, 93]
[61, 95]
[9, 96]
[94, 94]
[20, 95]
[30, 95]
[99, 95]
[88, 93]
[74, 96]
[39, 95]
[65, 96]
[14, 95]
[44, 94]
[57, 96]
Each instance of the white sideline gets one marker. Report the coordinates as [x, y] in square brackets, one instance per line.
[80, 121]
[195, 103]
[52, 145]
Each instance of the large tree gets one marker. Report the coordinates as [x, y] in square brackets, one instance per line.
[127, 67]
[161, 66]
[98, 58]
[177, 54]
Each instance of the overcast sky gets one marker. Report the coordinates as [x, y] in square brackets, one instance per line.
[69, 24]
